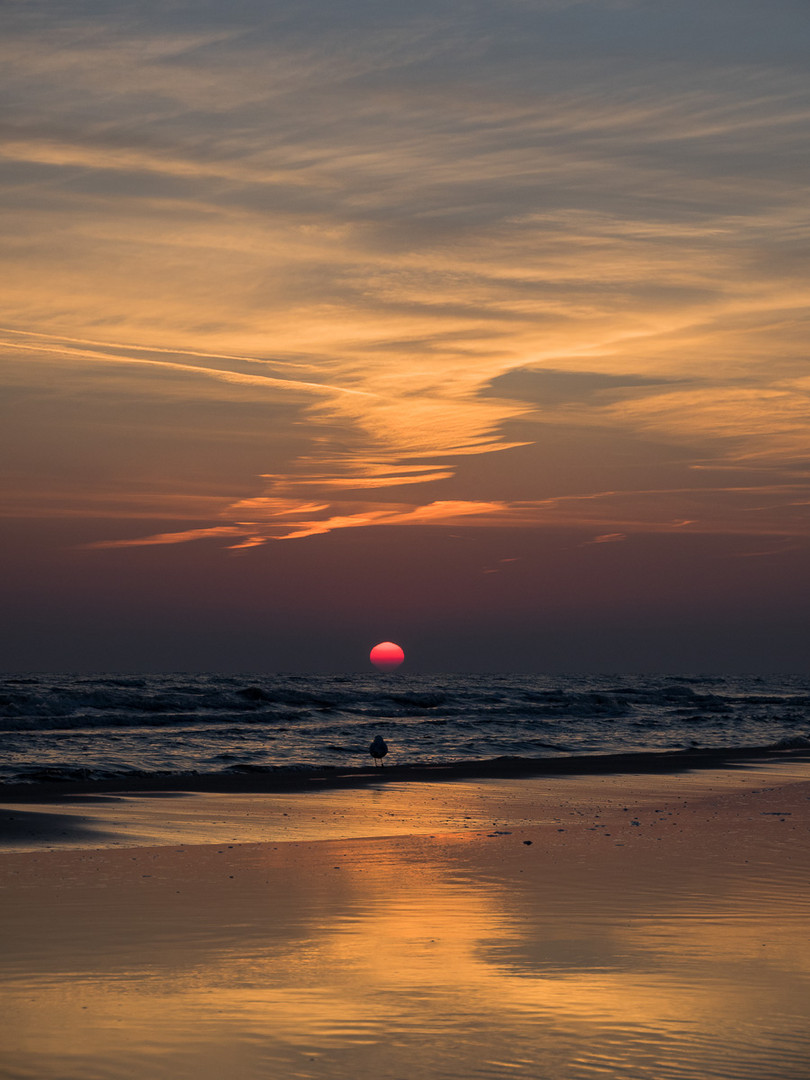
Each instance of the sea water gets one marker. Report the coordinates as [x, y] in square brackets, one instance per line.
[77, 727]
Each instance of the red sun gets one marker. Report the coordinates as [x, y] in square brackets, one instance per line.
[386, 656]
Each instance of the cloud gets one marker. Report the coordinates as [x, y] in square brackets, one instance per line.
[733, 511]
[549, 386]
[184, 537]
[63, 348]
[605, 538]
[408, 234]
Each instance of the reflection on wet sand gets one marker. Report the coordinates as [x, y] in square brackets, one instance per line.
[452, 956]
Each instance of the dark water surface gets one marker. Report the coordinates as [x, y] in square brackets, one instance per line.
[70, 727]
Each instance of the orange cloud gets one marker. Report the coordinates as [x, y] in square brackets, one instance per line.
[605, 538]
[640, 511]
[371, 278]
[171, 538]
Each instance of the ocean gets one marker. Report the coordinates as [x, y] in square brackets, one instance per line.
[98, 727]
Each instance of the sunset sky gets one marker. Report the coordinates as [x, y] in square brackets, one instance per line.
[478, 327]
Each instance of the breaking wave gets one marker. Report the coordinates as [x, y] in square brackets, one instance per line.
[80, 727]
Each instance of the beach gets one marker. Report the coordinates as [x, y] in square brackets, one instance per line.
[622, 924]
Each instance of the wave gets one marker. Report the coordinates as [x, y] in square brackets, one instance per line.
[121, 702]
[113, 725]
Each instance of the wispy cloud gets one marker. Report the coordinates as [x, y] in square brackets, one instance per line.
[420, 269]
[605, 538]
[732, 511]
[214, 532]
[70, 353]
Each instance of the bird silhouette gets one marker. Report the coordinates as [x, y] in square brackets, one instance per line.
[378, 750]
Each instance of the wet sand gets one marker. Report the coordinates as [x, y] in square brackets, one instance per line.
[560, 927]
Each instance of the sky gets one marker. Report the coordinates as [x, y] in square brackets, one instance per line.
[477, 327]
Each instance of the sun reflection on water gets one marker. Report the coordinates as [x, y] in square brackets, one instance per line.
[449, 956]
[388, 961]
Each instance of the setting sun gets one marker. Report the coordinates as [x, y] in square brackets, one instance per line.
[386, 656]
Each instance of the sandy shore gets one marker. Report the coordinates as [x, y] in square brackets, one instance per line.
[560, 927]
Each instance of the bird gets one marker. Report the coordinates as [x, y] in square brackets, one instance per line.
[378, 750]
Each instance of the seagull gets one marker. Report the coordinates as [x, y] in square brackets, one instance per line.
[378, 750]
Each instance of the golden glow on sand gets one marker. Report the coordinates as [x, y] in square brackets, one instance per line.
[597, 948]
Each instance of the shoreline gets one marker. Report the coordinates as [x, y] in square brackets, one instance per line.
[368, 804]
[274, 780]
